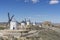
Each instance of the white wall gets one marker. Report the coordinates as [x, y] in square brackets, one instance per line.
[13, 25]
[28, 23]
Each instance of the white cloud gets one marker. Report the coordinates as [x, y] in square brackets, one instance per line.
[35, 1]
[54, 2]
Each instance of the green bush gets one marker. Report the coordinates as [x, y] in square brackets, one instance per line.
[2, 28]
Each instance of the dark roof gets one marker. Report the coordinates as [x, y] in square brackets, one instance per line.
[23, 22]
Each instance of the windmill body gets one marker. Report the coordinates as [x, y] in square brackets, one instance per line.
[34, 24]
[13, 25]
[28, 23]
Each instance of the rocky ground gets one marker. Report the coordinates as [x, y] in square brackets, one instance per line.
[43, 33]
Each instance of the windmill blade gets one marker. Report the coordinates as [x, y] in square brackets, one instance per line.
[11, 18]
[8, 23]
[8, 16]
[25, 19]
[8, 19]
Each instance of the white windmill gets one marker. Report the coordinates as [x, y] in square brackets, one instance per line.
[34, 23]
[28, 22]
[12, 24]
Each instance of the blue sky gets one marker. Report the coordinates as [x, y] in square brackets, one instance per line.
[35, 10]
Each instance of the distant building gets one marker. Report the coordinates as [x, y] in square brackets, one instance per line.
[23, 23]
[47, 23]
[28, 22]
[34, 24]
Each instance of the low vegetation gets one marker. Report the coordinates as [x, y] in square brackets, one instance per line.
[2, 28]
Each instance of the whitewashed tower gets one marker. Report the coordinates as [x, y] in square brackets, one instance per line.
[13, 25]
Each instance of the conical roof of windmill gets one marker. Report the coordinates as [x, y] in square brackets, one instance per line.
[23, 22]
